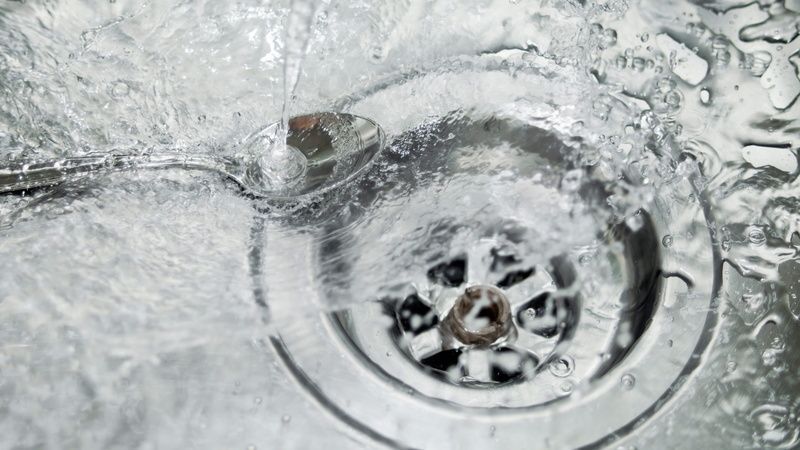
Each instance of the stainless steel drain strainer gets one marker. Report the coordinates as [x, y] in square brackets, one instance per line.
[475, 334]
[476, 207]
[482, 348]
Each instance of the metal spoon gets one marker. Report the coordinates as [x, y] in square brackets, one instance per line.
[337, 146]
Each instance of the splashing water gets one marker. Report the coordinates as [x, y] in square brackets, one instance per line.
[521, 133]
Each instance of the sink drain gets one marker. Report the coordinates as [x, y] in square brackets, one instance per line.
[493, 337]
[474, 334]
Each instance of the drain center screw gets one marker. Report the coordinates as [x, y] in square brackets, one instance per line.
[481, 316]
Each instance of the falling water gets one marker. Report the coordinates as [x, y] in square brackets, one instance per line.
[280, 163]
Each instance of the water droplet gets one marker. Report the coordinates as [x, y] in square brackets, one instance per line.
[627, 382]
[286, 418]
[530, 313]
[673, 100]
[257, 400]
[758, 62]
[609, 38]
[562, 367]
[634, 222]
[774, 427]
[567, 387]
[667, 240]
[730, 367]
[666, 84]
[722, 57]
[769, 357]
[120, 89]
[585, 259]
[756, 235]
[378, 53]
[705, 96]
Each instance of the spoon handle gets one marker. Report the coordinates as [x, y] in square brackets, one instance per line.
[57, 171]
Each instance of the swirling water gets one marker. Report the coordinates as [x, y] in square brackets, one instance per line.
[126, 302]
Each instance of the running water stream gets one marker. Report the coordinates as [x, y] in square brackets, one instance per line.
[281, 164]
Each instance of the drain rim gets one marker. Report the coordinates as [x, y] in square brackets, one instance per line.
[332, 345]
[609, 391]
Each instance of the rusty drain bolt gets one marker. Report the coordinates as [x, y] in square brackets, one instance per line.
[480, 316]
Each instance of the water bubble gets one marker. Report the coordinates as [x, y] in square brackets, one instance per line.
[722, 57]
[567, 387]
[645, 37]
[634, 222]
[756, 236]
[667, 240]
[258, 400]
[627, 381]
[730, 366]
[609, 38]
[673, 99]
[562, 367]
[769, 357]
[758, 62]
[378, 53]
[666, 84]
[585, 259]
[775, 427]
[120, 89]
[705, 96]
[286, 418]
[601, 109]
